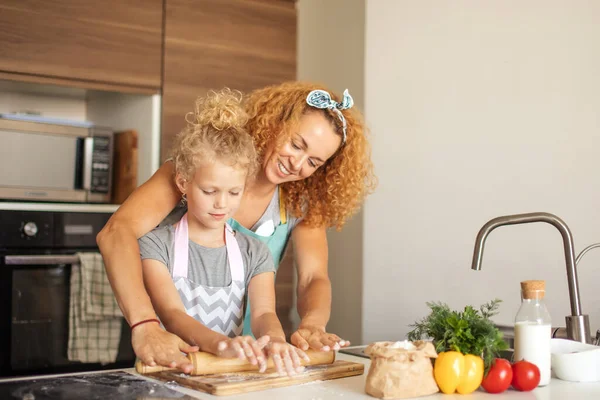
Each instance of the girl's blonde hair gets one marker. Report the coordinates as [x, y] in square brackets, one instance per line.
[216, 130]
[334, 192]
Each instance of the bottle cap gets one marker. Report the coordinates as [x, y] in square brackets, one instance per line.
[533, 289]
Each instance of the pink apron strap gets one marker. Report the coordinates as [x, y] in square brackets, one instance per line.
[236, 264]
[180, 258]
[180, 264]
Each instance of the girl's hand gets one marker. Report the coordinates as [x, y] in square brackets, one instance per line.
[317, 339]
[245, 348]
[286, 357]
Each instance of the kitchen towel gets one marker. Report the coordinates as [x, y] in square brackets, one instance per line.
[94, 317]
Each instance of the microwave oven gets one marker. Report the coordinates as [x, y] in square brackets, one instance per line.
[46, 159]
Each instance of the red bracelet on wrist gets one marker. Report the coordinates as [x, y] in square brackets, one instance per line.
[144, 321]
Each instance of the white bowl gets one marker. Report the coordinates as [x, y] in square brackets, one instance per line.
[575, 361]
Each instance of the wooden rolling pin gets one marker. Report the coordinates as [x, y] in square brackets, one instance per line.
[207, 363]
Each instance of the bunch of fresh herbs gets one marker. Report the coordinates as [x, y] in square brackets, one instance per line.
[469, 331]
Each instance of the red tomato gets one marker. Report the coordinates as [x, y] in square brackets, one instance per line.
[499, 377]
[526, 376]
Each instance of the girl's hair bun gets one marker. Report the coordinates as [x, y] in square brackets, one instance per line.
[216, 130]
[221, 110]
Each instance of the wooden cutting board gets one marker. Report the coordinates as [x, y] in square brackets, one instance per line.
[243, 382]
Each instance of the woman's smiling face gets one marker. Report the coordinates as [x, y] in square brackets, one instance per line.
[309, 147]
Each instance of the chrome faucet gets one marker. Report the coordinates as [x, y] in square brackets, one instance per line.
[578, 325]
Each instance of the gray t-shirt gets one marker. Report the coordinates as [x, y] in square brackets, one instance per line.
[208, 266]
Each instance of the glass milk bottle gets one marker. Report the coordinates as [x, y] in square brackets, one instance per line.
[533, 329]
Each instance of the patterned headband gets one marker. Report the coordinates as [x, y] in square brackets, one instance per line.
[322, 99]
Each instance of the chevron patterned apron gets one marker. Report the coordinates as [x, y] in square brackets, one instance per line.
[218, 308]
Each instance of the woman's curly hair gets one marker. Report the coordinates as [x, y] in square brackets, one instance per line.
[216, 130]
[335, 191]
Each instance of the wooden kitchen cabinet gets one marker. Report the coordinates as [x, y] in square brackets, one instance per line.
[210, 44]
[115, 42]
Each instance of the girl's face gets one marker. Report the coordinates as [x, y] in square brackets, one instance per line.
[309, 147]
[214, 193]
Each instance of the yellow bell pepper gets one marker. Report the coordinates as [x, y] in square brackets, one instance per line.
[455, 372]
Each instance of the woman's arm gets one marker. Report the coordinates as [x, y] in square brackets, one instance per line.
[314, 290]
[143, 210]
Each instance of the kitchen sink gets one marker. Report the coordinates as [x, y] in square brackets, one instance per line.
[358, 351]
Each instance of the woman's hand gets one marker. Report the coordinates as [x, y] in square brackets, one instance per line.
[317, 339]
[155, 346]
[287, 358]
[245, 348]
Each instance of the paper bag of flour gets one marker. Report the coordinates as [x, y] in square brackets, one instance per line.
[401, 370]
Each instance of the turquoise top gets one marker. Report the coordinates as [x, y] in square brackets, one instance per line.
[276, 243]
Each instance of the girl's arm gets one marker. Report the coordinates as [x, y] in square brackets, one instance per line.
[314, 290]
[261, 292]
[171, 311]
[143, 210]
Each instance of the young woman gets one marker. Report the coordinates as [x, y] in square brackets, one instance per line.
[315, 172]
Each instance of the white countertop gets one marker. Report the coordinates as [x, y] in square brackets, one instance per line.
[353, 388]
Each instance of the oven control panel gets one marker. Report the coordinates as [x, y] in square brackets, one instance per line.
[41, 229]
[101, 163]
[26, 229]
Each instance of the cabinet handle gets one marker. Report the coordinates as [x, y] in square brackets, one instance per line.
[41, 260]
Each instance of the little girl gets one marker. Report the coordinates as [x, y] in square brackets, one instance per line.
[200, 294]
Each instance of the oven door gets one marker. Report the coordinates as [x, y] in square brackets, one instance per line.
[35, 316]
[39, 310]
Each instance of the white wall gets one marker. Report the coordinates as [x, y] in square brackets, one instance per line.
[331, 37]
[479, 109]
